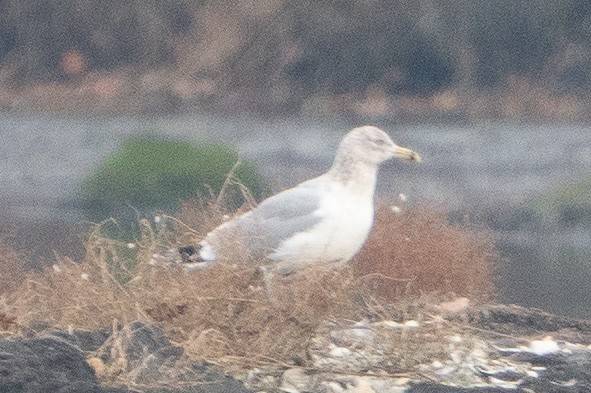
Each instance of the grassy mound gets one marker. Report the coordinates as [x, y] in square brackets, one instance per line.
[567, 205]
[418, 251]
[225, 313]
[12, 269]
[157, 174]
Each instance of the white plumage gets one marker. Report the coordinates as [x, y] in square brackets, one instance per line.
[323, 220]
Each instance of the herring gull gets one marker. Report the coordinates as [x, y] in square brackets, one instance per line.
[323, 220]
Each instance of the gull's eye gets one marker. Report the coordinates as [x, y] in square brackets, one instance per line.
[379, 142]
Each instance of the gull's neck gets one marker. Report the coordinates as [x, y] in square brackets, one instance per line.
[356, 175]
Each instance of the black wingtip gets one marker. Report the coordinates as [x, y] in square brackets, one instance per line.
[190, 253]
[188, 250]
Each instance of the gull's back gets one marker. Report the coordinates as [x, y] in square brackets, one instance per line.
[262, 230]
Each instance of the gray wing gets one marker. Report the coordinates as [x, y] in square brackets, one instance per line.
[278, 218]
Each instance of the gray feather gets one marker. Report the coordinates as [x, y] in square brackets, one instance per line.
[279, 218]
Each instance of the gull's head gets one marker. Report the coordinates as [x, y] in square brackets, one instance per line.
[372, 145]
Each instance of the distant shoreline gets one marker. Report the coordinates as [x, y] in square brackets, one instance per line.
[169, 93]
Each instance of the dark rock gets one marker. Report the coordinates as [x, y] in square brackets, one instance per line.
[149, 356]
[565, 372]
[85, 387]
[57, 364]
[44, 364]
[438, 388]
[226, 385]
[152, 360]
[515, 320]
[149, 340]
[85, 340]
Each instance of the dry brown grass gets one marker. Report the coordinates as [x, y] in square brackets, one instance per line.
[13, 273]
[225, 314]
[12, 268]
[418, 251]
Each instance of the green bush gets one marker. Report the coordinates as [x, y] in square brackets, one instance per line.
[150, 174]
[565, 205]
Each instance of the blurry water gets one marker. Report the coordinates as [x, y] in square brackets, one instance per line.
[44, 158]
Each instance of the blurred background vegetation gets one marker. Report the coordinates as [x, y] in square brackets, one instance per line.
[461, 58]
[151, 173]
[496, 94]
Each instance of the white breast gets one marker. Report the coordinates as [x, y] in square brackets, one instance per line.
[346, 221]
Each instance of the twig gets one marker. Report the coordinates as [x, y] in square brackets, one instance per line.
[427, 376]
[380, 275]
[227, 183]
[235, 299]
[179, 222]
